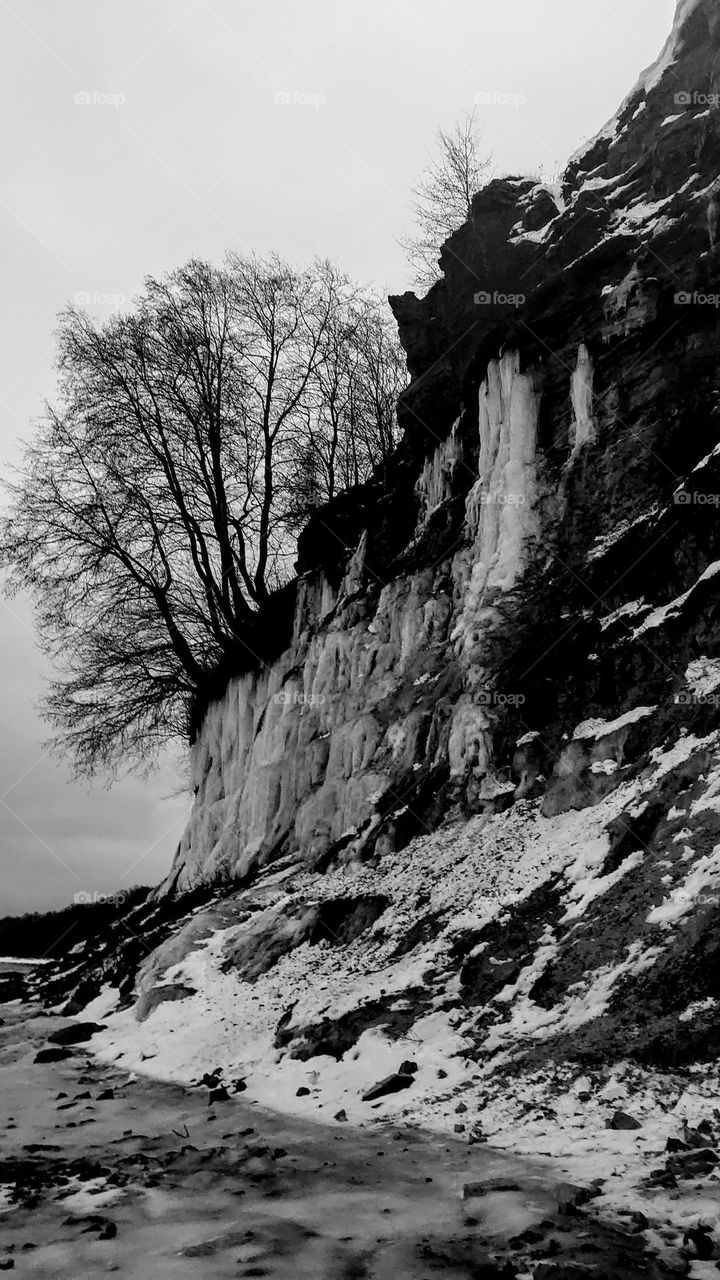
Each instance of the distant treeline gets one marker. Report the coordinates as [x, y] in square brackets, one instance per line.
[52, 934]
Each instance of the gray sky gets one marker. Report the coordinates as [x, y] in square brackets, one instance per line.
[182, 149]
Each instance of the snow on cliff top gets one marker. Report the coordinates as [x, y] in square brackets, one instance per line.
[649, 78]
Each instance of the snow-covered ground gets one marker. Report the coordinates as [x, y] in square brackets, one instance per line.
[393, 991]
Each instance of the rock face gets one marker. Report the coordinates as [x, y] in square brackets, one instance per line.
[547, 554]
[456, 852]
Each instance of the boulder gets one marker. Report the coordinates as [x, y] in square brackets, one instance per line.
[52, 1055]
[76, 1033]
[621, 1120]
[390, 1084]
[150, 1000]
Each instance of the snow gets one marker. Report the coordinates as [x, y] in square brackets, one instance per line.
[623, 527]
[703, 676]
[648, 79]
[703, 880]
[666, 612]
[585, 890]
[606, 767]
[466, 873]
[623, 611]
[582, 430]
[599, 728]
[104, 1003]
[231, 1023]
[696, 1007]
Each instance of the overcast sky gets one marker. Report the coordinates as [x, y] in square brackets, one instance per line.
[140, 133]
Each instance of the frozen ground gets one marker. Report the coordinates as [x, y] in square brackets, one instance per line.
[301, 991]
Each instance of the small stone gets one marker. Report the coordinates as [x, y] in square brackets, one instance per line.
[459, 1128]
[460, 1109]
[569, 1197]
[621, 1120]
[218, 1095]
[302, 1092]
[107, 1095]
[341, 1115]
[408, 1068]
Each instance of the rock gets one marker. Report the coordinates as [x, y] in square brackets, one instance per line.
[302, 1092]
[565, 1271]
[239, 1085]
[700, 1239]
[390, 1084]
[340, 1115]
[53, 1055]
[459, 1128]
[471, 1190]
[211, 1079]
[149, 1000]
[218, 1095]
[460, 1109]
[107, 1095]
[76, 1033]
[695, 1162]
[570, 1197]
[408, 1068]
[621, 1120]
[6, 1264]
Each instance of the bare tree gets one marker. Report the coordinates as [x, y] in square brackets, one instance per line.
[350, 427]
[149, 520]
[457, 169]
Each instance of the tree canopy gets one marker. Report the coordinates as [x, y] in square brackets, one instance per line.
[155, 509]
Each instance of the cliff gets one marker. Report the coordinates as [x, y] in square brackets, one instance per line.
[470, 816]
[549, 497]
